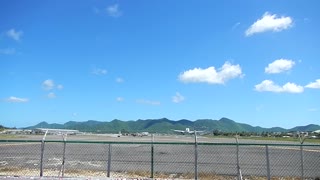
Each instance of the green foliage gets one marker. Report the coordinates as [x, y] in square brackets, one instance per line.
[2, 128]
[310, 127]
[164, 125]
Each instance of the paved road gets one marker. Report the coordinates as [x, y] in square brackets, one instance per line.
[168, 159]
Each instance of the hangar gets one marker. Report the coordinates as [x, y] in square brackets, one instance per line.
[55, 131]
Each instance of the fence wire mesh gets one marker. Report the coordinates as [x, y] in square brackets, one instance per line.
[85, 160]
[130, 160]
[174, 161]
[159, 160]
[19, 159]
[252, 161]
[285, 161]
[220, 160]
[311, 161]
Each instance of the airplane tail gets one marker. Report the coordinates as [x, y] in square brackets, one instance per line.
[187, 130]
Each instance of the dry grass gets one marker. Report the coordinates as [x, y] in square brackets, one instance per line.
[138, 175]
[12, 136]
[12, 171]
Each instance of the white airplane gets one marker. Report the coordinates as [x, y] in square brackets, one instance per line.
[187, 131]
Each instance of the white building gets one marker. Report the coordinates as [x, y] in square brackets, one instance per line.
[55, 131]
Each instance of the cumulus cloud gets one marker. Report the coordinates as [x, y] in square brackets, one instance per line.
[113, 10]
[268, 85]
[48, 84]
[279, 66]
[98, 71]
[314, 85]
[269, 22]
[51, 95]
[15, 35]
[211, 75]
[14, 99]
[148, 102]
[177, 98]
[7, 51]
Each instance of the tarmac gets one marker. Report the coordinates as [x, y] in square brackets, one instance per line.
[90, 159]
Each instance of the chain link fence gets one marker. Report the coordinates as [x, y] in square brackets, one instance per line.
[185, 160]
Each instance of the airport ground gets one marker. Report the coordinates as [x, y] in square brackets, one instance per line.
[173, 160]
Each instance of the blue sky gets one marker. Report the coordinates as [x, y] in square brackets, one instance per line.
[255, 62]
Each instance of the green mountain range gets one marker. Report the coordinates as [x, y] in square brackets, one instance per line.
[2, 128]
[165, 125]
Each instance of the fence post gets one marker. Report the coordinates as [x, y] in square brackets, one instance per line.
[302, 168]
[195, 156]
[109, 161]
[42, 153]
[301, 155]
[238, 165]
[64, 136]
[268, 162]
[41, 158]
[152, 158]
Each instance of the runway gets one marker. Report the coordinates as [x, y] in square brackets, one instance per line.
[170, 159]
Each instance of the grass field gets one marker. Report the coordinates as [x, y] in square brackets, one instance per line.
[287, 139]
[11, 136]
[209, 138]
[291, 139]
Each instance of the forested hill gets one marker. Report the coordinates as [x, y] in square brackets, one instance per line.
[165, 125]
[2, 128]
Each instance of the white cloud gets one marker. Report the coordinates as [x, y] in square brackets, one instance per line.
[15, 35]
[7, 51]
[59, 87]
[51, 95]
[48, 84]
[292, 88]
[314, 85]
[211, 75]
[279, 66]
[148, 102]
[119, 99]
[177, 98]
[17, 100]
[119, 80]
[269, 22]
[98, 71]
[268, 85]
[113, 10]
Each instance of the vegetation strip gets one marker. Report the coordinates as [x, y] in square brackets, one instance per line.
[173, 143]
